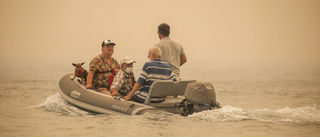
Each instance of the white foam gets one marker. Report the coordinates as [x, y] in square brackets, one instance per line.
[287, 115]
[55, 103]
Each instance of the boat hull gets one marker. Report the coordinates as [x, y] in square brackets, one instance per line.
[75, 93]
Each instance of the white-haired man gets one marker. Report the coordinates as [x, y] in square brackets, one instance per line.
[153, 70]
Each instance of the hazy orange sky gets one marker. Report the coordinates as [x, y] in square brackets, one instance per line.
[235, 32]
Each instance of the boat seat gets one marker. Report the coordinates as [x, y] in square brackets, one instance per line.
[163, 88]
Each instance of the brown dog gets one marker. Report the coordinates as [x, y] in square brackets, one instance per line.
[80, 72]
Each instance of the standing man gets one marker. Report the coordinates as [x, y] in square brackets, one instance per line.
[172, 52]
[124, 80]
[154, 70]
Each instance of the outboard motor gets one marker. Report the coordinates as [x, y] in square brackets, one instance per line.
[186, 108]
[199, 96]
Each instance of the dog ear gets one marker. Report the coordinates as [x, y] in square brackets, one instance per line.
[74, 64]
[82, 63]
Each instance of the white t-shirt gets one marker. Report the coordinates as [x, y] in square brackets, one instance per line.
[171, 53]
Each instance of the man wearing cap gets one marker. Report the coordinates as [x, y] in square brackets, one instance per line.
[124, 80]
[102, 67]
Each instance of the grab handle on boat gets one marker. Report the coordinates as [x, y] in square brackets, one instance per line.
[118, 97]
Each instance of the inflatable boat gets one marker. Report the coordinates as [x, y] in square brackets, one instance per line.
[75, 93]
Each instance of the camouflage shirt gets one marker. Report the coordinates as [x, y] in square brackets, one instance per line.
[102, 70]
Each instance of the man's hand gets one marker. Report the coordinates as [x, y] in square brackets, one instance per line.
[116, 70]
[88, 86]
[127, 98]
[114, 94]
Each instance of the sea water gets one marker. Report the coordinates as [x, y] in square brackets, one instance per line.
[256, 102]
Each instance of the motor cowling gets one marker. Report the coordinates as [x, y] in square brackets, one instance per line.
[199, 96]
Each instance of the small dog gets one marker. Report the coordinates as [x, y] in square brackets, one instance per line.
[80, 72]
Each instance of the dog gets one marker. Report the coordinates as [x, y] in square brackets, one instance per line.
[80, 72]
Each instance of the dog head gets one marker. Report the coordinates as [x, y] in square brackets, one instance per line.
[78, 66]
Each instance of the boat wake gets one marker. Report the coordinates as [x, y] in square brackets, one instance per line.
[287, 115]
[55, 103]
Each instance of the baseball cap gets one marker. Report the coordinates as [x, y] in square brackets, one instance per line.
[107, 42]
[127, 60]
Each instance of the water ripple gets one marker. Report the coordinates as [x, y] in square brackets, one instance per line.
[287, 115]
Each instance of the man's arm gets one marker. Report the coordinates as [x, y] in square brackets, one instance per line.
[89, 79]
[135, 88]
[183, 59]
[116, 84]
